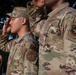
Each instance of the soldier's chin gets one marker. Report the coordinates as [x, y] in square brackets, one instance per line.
[12, 31]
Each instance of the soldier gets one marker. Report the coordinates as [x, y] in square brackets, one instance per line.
[37, 12]
[57, 50]
[23, 55]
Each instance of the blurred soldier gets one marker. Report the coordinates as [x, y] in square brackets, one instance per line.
[1, 59]
[37, 12]
[57, 51]
[23, 50]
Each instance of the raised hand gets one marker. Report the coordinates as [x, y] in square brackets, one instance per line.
[6, 27]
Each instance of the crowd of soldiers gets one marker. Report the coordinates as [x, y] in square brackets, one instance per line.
[46, 42]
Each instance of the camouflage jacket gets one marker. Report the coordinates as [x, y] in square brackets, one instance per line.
[3, 40]
[36, 14]
[57, 51]
[23, 56]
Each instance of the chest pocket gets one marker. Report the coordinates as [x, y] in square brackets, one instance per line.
[52, 30]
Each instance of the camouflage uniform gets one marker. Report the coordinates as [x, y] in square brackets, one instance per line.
[57, 51]
[23, 56]
[3, 40]
[36, 14]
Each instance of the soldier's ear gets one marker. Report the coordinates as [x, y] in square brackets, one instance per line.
[23, 21]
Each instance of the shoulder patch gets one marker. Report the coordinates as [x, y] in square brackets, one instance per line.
[31, 56]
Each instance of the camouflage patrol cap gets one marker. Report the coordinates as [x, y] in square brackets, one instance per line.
[19, 12]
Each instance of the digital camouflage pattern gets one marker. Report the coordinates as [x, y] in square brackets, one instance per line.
[23, 56]
[36, 14]
[57, 51]
[3, 40]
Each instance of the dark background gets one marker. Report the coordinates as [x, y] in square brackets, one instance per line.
[7, 5]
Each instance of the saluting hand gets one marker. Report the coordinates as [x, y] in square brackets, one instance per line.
[6, 27]
[38, 3]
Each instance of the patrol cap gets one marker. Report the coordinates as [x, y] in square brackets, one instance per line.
[19, 12]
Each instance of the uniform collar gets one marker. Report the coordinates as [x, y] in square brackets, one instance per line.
[55, 11]
[20, 38]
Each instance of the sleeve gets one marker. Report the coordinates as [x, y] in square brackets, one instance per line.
[31, 60]
[70, 46]
[4, 45]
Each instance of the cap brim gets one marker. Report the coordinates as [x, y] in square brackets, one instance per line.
[9, 14]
